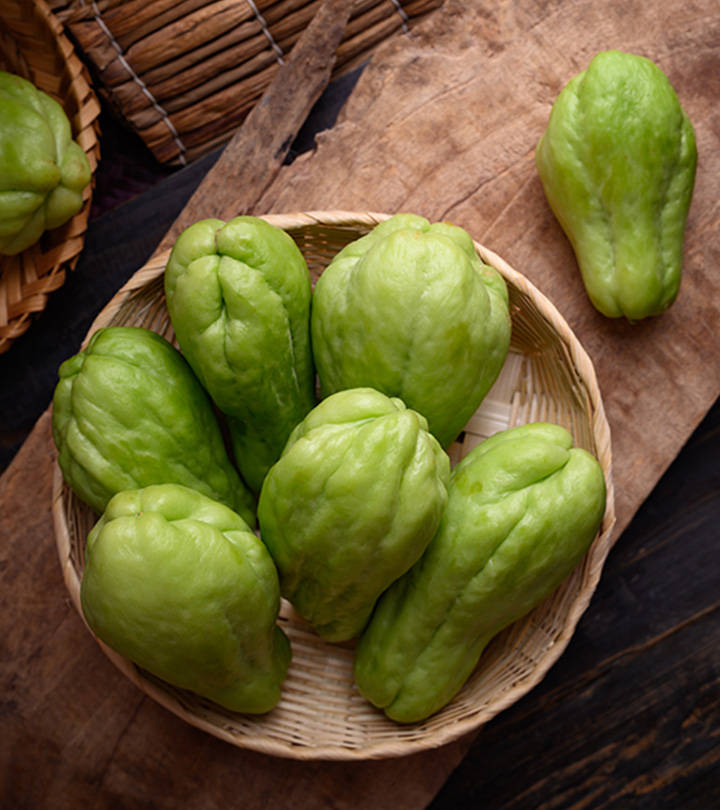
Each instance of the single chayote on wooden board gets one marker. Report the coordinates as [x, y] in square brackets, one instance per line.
[523, 508]
[178, 583]
[43, 171]
[351, 505]
[238, 294]
[128, 412]
[617, 163]
[410, 310]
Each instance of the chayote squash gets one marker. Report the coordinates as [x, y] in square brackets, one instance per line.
[410, 310]
[617, 163]
[43, 171]
[129, 412]
[238, 294]
[351, 504]
[179, 584]
[523, 508]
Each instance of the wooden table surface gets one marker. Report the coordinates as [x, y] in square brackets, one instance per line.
[630, 715]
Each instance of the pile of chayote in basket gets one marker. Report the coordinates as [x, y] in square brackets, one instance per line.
[296, 446]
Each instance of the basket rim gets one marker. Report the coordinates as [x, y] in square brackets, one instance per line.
[598, 551]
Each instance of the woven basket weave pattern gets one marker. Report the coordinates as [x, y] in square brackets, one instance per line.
[186, 74]
[33, 45]
[547, 376]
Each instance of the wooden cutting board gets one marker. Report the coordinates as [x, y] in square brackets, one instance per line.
[443, 124]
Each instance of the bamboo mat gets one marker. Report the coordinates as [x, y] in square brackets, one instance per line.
[185, 73]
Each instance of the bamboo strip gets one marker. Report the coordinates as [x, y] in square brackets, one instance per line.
[276, 11]
[137, 19]
[222, 50]
[213, 110]
[183, 35]
[198, 81]
[229, 78]
[282, 27]
[219, 47]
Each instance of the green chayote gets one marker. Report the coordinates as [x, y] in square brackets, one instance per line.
[43, 171]
[178, 583]
[523, 508]
[617, 163]
[351, 505]
[129, 412]
[410, 310]
[238, 294]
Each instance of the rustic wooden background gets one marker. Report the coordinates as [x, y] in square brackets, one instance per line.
[444, 124]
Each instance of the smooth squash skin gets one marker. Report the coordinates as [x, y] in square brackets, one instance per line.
[238, 294]
[350, 505]
[410, 310]
[129, 412]
[617, 163]
[43, 171]
[523, 508]
[179, 584]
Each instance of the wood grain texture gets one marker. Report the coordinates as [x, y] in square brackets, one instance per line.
[445, 124]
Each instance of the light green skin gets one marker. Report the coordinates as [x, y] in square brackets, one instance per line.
[411, 310]
[43, 171]
[179, 584]
[351, 505]
[523, 508]
[617, 163]
[238, 295]
[129, 412]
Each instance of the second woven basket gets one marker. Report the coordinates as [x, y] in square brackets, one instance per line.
[33, 45]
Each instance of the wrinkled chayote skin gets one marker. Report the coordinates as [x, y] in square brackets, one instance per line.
[179, 584]
[617, 163]
[129, 412]
[410, 310]
[238, 295]
[351, 505]
[523, 508]
[43, 171]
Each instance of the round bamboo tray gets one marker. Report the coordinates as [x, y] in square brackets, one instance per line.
[548, 376]
[33, 46]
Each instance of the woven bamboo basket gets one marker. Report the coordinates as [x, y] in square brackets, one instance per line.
[33, 45]
[185, 74]
[547, 376]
